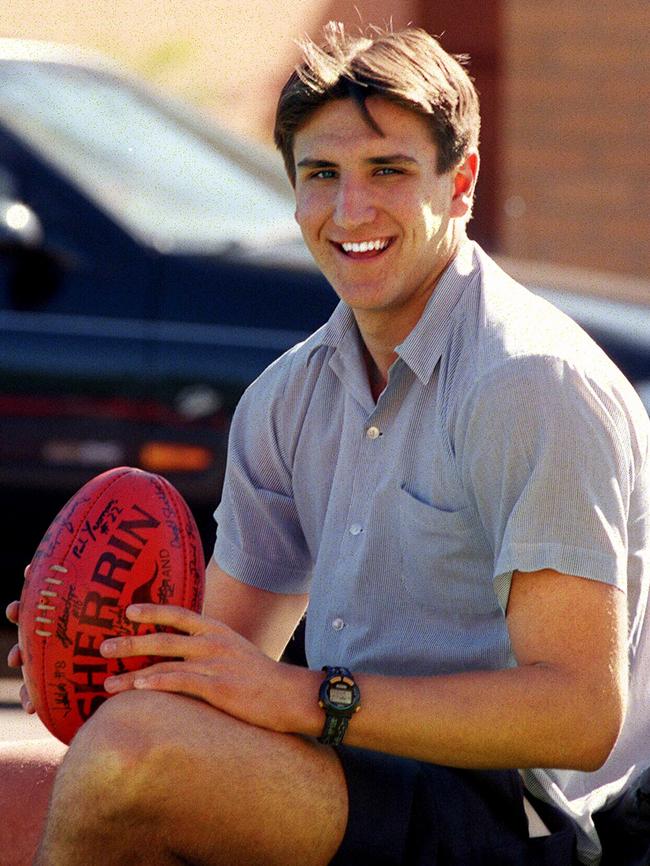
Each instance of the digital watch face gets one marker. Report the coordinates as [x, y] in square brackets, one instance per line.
[341, 694]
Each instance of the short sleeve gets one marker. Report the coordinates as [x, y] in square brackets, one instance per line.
[546, 457]
[259, 538]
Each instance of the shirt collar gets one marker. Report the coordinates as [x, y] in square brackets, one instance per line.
[340, 326]
[423, 347]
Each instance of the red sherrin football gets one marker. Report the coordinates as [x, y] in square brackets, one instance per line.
[126, 536]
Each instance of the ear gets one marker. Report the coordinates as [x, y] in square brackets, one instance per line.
[465, 177]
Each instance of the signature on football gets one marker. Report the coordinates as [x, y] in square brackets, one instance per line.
[70, 605]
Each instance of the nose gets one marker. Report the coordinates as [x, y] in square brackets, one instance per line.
[353, 206]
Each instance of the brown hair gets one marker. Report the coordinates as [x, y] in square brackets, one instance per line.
[408, 67]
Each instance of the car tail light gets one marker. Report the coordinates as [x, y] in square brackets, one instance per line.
[175, 457]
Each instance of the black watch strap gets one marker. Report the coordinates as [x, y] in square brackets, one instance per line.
[339, 697]
[334, 730]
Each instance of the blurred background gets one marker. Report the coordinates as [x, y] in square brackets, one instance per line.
[149, 264]
[565, 92]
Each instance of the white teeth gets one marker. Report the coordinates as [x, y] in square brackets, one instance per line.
[364, 246]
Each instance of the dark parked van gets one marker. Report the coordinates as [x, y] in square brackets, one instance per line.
[150, 268]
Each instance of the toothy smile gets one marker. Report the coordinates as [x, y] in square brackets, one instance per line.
[365, 246]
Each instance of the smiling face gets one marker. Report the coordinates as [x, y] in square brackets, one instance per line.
[379, 220]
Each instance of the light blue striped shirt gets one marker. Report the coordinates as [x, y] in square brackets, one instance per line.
[505, 439]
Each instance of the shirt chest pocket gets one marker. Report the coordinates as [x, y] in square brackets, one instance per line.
[446, 562]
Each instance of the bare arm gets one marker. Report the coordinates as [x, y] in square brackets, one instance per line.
[562, 706]
[267, 619]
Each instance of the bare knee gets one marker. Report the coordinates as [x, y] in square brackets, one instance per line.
[177, 779]
[105, 780]
[113, 762]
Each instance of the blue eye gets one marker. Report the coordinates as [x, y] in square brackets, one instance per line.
[324, 174]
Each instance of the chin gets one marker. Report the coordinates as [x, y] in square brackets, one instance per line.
[367, 301]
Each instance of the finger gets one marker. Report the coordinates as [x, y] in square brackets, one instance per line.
[26, 701]
[167, 614]
[123, 682]
[154, 644]
[13, 612]
[182, 682]
[14, 658]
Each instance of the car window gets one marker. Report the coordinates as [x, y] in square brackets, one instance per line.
[156, 176]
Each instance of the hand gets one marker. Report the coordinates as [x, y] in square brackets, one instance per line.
[211, 662]
[14, 658]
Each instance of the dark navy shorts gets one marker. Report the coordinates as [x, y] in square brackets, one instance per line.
[404, 812]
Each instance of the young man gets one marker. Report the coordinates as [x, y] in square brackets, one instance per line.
[455, 479]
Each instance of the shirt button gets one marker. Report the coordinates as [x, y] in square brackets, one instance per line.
[337, 624]
[355, 529]
[373, 432]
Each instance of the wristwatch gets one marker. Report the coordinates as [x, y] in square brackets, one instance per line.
[340, 697]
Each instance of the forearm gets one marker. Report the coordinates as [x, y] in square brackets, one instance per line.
[535, 716]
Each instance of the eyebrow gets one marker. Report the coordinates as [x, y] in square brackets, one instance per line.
[390, 159]
[315, 163]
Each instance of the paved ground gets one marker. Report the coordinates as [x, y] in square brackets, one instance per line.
[14, 723]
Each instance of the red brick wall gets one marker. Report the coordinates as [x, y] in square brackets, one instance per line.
[575, 145]
[466, 27]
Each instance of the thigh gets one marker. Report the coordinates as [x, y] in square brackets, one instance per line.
[213, 789]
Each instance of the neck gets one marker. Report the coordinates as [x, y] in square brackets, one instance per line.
[377, 375]
[382, 330]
